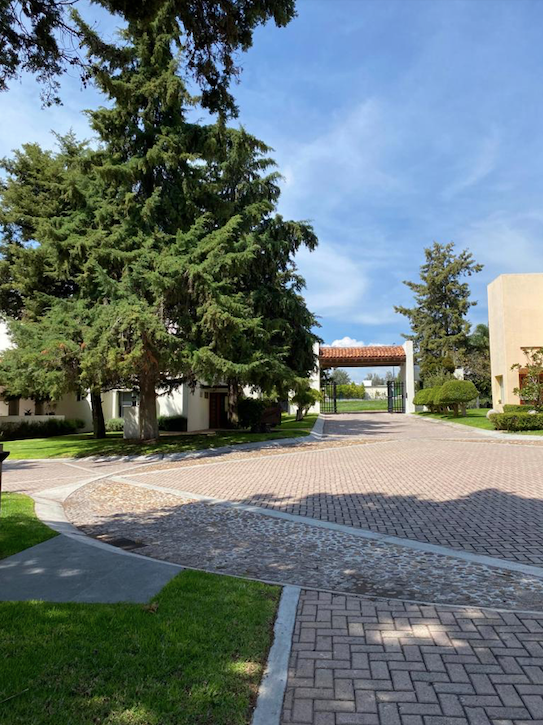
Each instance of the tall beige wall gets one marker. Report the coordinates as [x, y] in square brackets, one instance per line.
[515, 318]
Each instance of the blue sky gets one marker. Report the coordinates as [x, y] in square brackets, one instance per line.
[394, 123]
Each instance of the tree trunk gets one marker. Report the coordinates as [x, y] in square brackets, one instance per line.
[98, 423]
[299, 413]
[147, 410]
[233, 397]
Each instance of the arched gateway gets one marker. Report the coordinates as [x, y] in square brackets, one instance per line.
[400, 393]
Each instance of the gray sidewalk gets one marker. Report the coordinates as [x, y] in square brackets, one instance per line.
[65, 570]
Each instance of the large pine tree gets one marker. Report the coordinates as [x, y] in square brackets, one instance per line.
[442, 300]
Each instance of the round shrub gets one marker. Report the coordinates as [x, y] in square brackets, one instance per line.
[455, 394]
[250, 412]
[421, 396]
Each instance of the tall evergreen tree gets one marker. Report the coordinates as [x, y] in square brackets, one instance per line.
[438, 321]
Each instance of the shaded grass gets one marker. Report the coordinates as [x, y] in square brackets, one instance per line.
[289, 422]
[194, 656]
[476, 418]
[19, 526]
[351, 406]
[82, 444]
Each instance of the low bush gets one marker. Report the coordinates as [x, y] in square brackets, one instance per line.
[176, 423]
[351, 391]
[114, 424]
[517, 421]
[517, 408]
[421, 396]
[39, 429]
[250, 412]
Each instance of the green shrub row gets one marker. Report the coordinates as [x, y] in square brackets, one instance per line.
[350, 391]
[517, 421]
[452, 395]
[517, 408]
[39, 429]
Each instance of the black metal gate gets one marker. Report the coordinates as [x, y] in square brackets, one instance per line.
[329, 398]
[396, 397]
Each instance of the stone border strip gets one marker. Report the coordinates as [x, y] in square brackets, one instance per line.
[362, 533]
[271, 692]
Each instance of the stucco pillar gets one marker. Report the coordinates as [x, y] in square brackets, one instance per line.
[409, 376]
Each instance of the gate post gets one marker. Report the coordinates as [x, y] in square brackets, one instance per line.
[409, 376]
[335, 397]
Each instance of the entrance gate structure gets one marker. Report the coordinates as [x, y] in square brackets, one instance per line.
[400, 392]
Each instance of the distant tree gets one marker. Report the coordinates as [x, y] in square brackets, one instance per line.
[41, 37]
[438, 321]
[340, 377]
[476, 361]
[375, 378]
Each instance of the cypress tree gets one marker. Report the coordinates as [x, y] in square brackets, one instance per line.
[438, 321]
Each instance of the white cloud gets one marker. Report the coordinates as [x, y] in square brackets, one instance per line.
[347, 342]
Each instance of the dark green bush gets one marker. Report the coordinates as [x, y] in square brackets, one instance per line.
[250, 412]
[517, 421]
[115, 424]
[39, 429]
[177, 423]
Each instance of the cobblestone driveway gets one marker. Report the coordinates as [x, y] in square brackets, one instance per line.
[430, 483]
[355, 661]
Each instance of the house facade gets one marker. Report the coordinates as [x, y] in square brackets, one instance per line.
[515, 320]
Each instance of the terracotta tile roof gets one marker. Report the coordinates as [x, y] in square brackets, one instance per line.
[377, 354]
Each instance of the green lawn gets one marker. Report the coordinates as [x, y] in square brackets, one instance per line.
[82, 444]
[289, 422]
[351, 406]
[19, 526]
[475, 417]
[194, 656]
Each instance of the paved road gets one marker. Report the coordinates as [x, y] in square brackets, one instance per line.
[359, 662]
[408, 478]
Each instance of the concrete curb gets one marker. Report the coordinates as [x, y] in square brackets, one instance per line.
[271, 692]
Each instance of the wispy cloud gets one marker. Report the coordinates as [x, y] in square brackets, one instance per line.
[477, 167]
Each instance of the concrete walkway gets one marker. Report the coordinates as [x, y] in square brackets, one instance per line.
[65, 570]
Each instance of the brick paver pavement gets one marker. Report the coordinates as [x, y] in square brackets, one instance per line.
[476, 495]
[361, 662]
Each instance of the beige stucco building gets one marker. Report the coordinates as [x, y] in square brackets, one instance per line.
[515, 318]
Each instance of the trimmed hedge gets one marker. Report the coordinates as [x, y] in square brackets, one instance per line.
[517, 408]
[456, 392]
[422, 396]
[517, 421]
[176, 423]
[114, 424]
[41, 429]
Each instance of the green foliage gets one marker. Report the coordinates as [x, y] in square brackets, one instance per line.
[304, 397]
[250, 412]
[531, 390]
[38, 429]
[442, 301]
[476, 361]
[340, 377]
[114, 424]
[350, 391]
[176, 423]
[41, 37]
[456, 391]
[517, 421]
[510, 408]
[422, 396]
